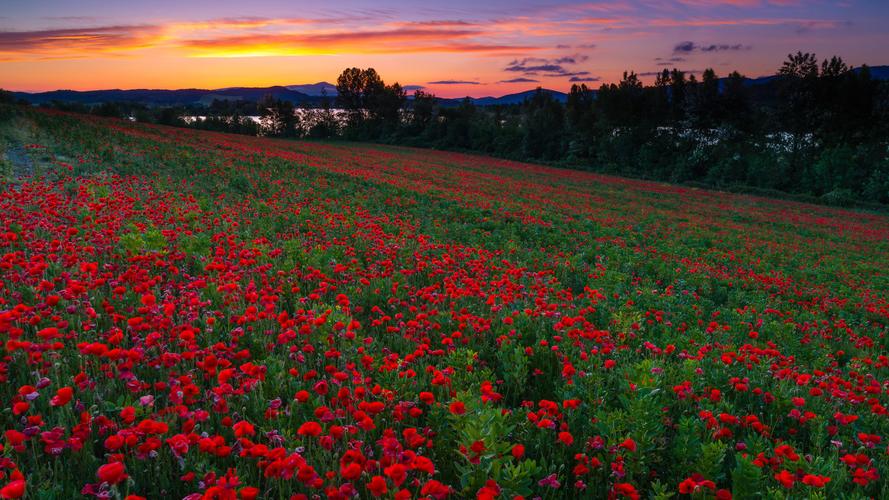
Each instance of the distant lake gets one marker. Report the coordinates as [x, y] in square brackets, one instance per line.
[308, 115]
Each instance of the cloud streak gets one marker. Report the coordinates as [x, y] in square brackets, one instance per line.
[454, 82]
[258, 36]
[78, 41]
[690, 47]
[548, 67]
[520, 80]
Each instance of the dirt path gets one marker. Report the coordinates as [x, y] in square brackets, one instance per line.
[22, 165]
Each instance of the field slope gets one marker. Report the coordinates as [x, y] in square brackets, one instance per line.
[189, 314]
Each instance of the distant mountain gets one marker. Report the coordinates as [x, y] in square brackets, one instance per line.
[297, 94]
[315, 89]
[876, 73]
[517, 98]
[255, 94]
[311, 94]
[159, 97]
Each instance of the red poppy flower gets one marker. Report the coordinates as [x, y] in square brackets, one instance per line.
[309, 429]
[15, 489]
[112, 473]
[377, 486]
[458, 408]
[62, 397]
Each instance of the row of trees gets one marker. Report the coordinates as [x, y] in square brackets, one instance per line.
[818, 130]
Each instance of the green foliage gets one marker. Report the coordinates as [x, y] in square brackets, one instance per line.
[746, 479]
[136, 241]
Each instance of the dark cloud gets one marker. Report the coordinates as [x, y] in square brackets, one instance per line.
[552, 67]
[689, 47]
[584, 79]
[657, 73]
[521, 68]
[520, 80]
[568, 73]
[453, 82]
[409, 88]
[575, 59]
[724, 47]
[684, 47]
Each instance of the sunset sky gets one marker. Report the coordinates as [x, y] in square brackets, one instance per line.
[453, 48]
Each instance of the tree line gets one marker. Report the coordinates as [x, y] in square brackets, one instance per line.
[818, 129]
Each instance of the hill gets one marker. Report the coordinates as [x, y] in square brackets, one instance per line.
[310, 94]
[297, 94]
[370, 319]
[161, 97]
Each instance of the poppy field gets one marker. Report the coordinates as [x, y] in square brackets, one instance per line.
[188, 314]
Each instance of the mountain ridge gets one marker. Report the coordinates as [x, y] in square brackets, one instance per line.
[299, 94]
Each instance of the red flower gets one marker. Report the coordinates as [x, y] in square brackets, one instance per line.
[397, 473]
[518, 451]
[243, 428]
[629, 445]
[249, 493]
[694, 483]
[458, 408]
[435, 489]
[350, 471]
[423, 464]
[478, 447]
[309, 429]
[786, 451]
[785, 478]
[625, 490]
[62, 397]
[489, 491]
[15, 489]
[112, 473]
[815, 481]
[148, 300]
[566, 438]
[377, 486]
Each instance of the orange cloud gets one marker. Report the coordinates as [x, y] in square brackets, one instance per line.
[78, 42]
[261, 37]
[399, 40]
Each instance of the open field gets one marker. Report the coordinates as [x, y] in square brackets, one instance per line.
[190, 314]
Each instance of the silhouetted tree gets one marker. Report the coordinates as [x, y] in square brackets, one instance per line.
[543, 127]
[423, 111]
[278, 117]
